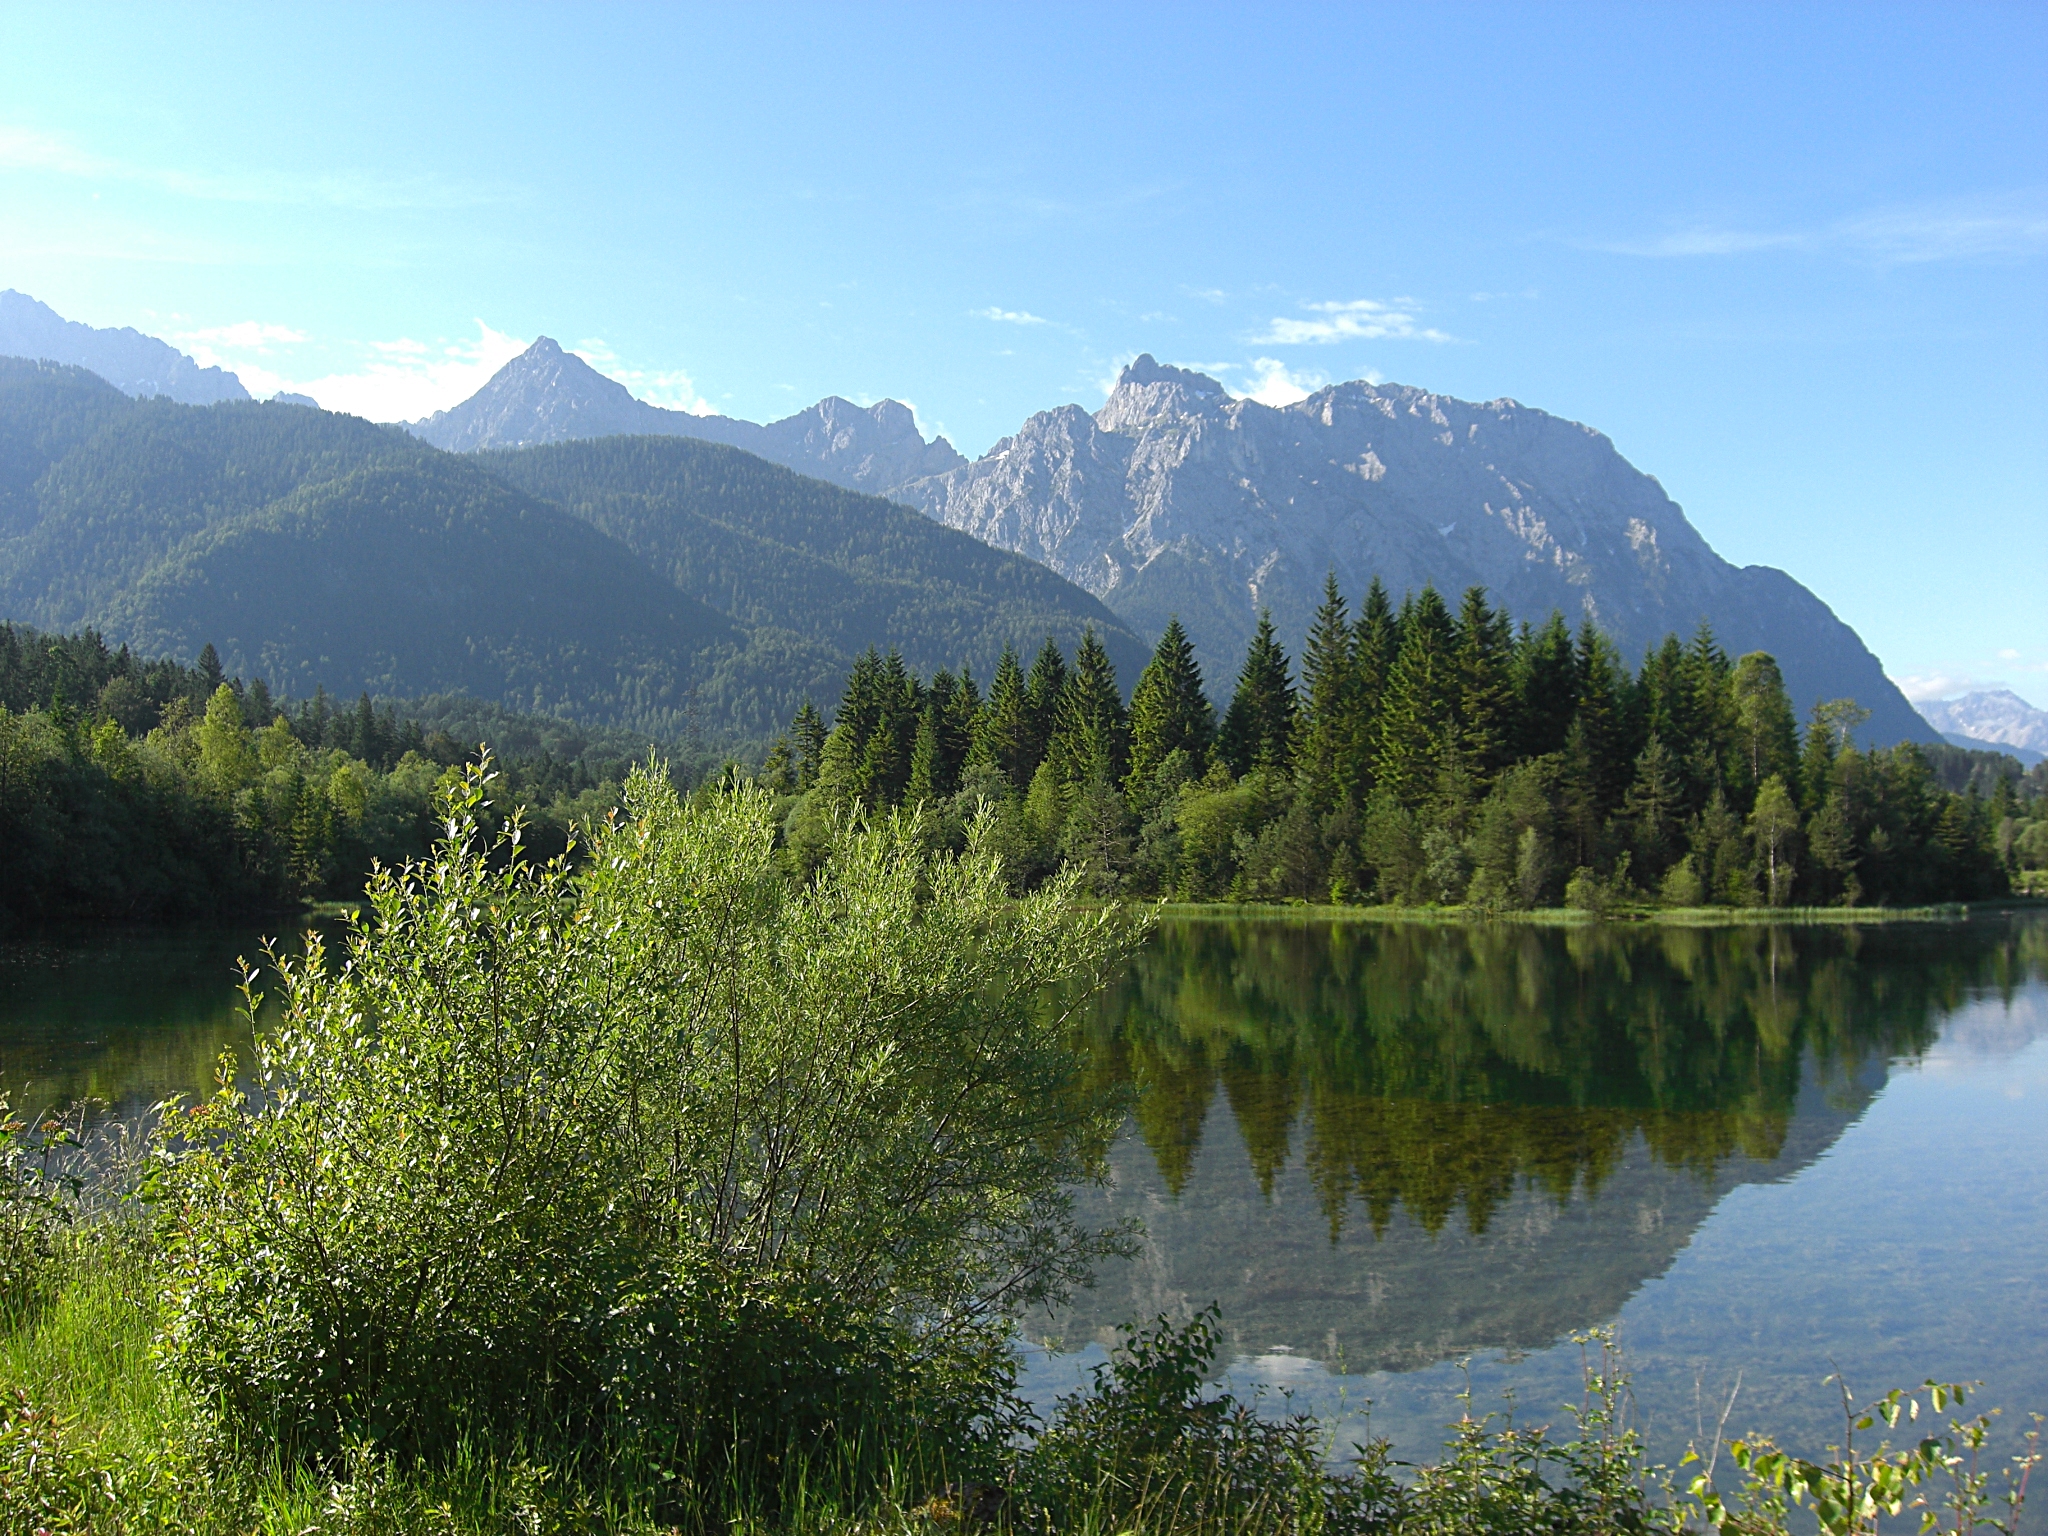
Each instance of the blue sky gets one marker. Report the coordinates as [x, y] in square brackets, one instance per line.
[1790, 258]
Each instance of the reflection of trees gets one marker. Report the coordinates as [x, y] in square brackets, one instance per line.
[1433, 1067]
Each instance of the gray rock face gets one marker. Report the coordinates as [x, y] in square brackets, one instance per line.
[546, 395]
[133, 363]
[2000, 718]
[1175, 498]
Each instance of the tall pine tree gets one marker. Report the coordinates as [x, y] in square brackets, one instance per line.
[1546, 689]
[1169, 711]
[1003, 736]
[1258, 727]
[1486, 691]
[1091, 735]
[1324, 730]
[1043, 686]
[1418, 716]
[1377, 642]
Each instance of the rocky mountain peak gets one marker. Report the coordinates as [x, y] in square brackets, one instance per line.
[1148, 391]
[133, 363]
[1147, 369]
[1997, 718]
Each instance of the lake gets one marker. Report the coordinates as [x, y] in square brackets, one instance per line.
[1401, 1158]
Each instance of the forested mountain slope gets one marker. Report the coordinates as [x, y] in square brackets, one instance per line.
[781, 551]
[314, 549]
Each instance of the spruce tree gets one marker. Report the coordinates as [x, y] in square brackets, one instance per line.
[956, 725]
[1546, 689]
[1258, 727]
[1599, 716]
[1652, 808]
[1417, 716]
[926, 772]
[1042, 688]
[807, 745]
[1169, 711]
[1486, 694]
[885, 763]
[1323, 761]
[1003, 731]
[841, 762]
[1091, 731]
[1378, 641]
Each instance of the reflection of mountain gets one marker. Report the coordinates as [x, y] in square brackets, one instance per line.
[1391, 1144]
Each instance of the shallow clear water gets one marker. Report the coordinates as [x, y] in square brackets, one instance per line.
[1402, 1157]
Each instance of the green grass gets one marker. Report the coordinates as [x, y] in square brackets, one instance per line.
[116, 1449]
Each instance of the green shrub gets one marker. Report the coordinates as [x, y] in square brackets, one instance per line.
[678, 1159]
[1146, 1448]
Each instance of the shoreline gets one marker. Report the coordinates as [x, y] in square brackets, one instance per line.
[1681, 917]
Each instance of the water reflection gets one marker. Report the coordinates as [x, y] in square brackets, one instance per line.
[1379, 1146]
[123, 1016]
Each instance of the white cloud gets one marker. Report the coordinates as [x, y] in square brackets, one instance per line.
[400, 380]
[1274, 385]
[1350, 320]
[248, 335]
[2005, 226]
[1927, 687]
[669, 388]
[1010, 316]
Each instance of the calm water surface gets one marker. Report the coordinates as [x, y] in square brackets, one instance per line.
[1402, 1157]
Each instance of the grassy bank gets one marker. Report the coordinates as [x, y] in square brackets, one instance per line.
[95, 1436]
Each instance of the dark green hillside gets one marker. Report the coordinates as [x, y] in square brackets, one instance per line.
[696, 590]
[430, 577]
[97, 487]
[843, 570]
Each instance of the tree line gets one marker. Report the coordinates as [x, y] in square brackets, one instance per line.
[1419, 756]
[136, 787]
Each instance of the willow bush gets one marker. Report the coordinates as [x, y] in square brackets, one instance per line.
[673, 1157]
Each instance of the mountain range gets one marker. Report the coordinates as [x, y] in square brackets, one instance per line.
[1176, 499]
[664, 583]
[133, 363]
[1999, 719]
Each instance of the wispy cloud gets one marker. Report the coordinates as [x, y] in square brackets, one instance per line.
[1349, 320]
[2005, 227]
[1927, 687]
[401, 379]
[28, 149]
[1009, 316]
[1274, 384]
[248, 335]
[670, 388]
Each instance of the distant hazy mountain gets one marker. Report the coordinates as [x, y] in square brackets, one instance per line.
[1175, 498]
[1999, 719]
[546, 395]
[133, 363]
[663, 584]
